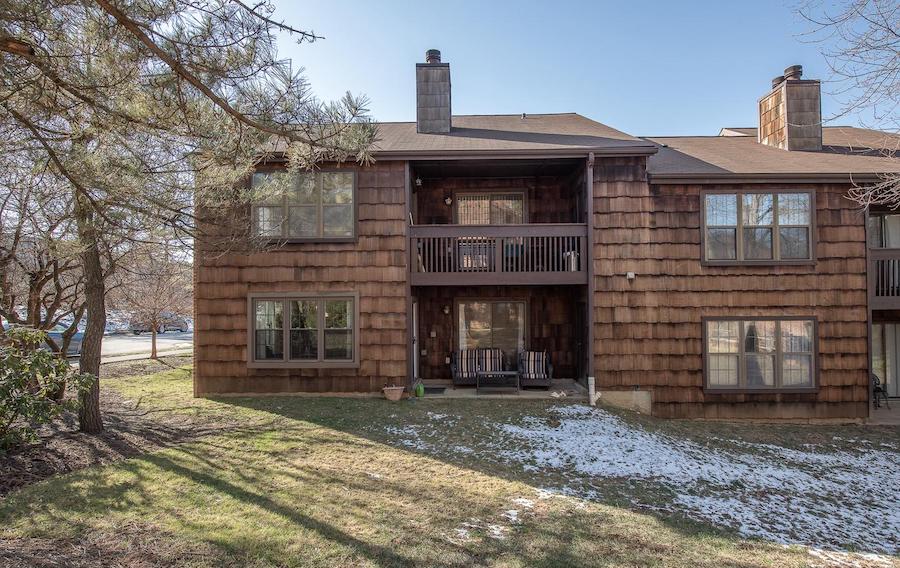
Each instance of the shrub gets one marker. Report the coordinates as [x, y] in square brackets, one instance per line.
[31, 380]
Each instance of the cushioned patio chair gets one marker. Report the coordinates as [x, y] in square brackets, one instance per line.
[465, 364]
[535, 369]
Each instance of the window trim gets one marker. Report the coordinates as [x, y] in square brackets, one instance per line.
[739, 238]
[491, 192]
[320, 208]
[288, 363]
[814, 388]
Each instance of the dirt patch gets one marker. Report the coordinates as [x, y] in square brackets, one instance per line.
[134, 546]
[129, 431]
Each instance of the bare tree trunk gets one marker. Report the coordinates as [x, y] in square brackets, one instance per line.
[153, 341]
[89, 417]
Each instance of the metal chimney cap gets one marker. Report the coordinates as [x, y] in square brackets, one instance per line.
[793, 72]
[777, 81]
[433, 56]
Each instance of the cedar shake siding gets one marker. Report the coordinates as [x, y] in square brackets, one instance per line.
[648, 331]
[373, 266]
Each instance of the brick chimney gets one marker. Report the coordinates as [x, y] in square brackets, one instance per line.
[433, 95]
[790, 116]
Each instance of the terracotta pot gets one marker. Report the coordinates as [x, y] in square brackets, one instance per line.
[393, 393]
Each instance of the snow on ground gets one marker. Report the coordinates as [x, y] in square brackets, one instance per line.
[825, 499]
[770, 492]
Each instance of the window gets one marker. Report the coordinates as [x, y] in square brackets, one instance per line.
[304, 331]
[759, 354]
[490, 208]
[884, 231]
[757, 227]
[493, 324]
[313, 206]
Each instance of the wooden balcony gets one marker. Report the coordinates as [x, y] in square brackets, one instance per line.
[498, 254]
[884, 279]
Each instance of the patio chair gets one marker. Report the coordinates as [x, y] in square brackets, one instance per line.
[535, 369]
[465, 364]
[878, 390]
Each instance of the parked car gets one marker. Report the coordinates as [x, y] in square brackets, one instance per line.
[169, 322]
[56, 334]
[74, 345]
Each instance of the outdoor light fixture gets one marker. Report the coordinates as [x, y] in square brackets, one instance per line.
[448, 200]
[418, 182]
[446, 310]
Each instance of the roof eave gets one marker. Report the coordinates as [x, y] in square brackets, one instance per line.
[515, 153]
[730, 177]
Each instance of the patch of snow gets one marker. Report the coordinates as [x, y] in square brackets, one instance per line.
[511, 515]
[436, 416]
[779, 494]
[373, 475]
[838, 559]
[462, 534]
[497, 531]
[523, 502]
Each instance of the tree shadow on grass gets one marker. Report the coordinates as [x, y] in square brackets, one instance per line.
[356, 417]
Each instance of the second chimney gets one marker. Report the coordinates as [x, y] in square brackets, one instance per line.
[790, 116]
[433, 95]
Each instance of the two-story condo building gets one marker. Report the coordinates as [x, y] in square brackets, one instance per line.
[723, 276]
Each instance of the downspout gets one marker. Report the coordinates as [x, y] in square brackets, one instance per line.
[589, 257]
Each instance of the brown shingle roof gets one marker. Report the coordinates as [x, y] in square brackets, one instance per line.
[848, 138]
[848, 151]
[503, 134]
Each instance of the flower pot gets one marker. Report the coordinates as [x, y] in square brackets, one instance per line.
[393, 393]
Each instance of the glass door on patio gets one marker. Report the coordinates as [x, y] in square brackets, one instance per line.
[493, 324]
[886, 356]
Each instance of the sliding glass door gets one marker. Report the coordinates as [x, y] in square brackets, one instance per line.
[492, 324]
[886, 356]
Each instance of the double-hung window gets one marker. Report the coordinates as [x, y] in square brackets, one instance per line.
[757, 227]
[304, 330]
[305, 206]
[750, 354]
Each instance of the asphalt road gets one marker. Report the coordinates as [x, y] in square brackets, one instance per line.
[122, 344]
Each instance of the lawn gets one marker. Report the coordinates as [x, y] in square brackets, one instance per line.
[291, 481]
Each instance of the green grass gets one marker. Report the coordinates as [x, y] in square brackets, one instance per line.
[293, 481]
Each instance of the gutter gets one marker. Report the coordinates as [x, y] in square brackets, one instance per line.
[729, 177]
[410, 155]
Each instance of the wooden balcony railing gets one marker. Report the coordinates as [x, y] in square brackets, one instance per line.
[498, 254]
[884, 279]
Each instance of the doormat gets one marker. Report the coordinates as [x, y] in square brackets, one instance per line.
[435, 390]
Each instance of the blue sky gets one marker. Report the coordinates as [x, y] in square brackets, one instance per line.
[648, 68]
